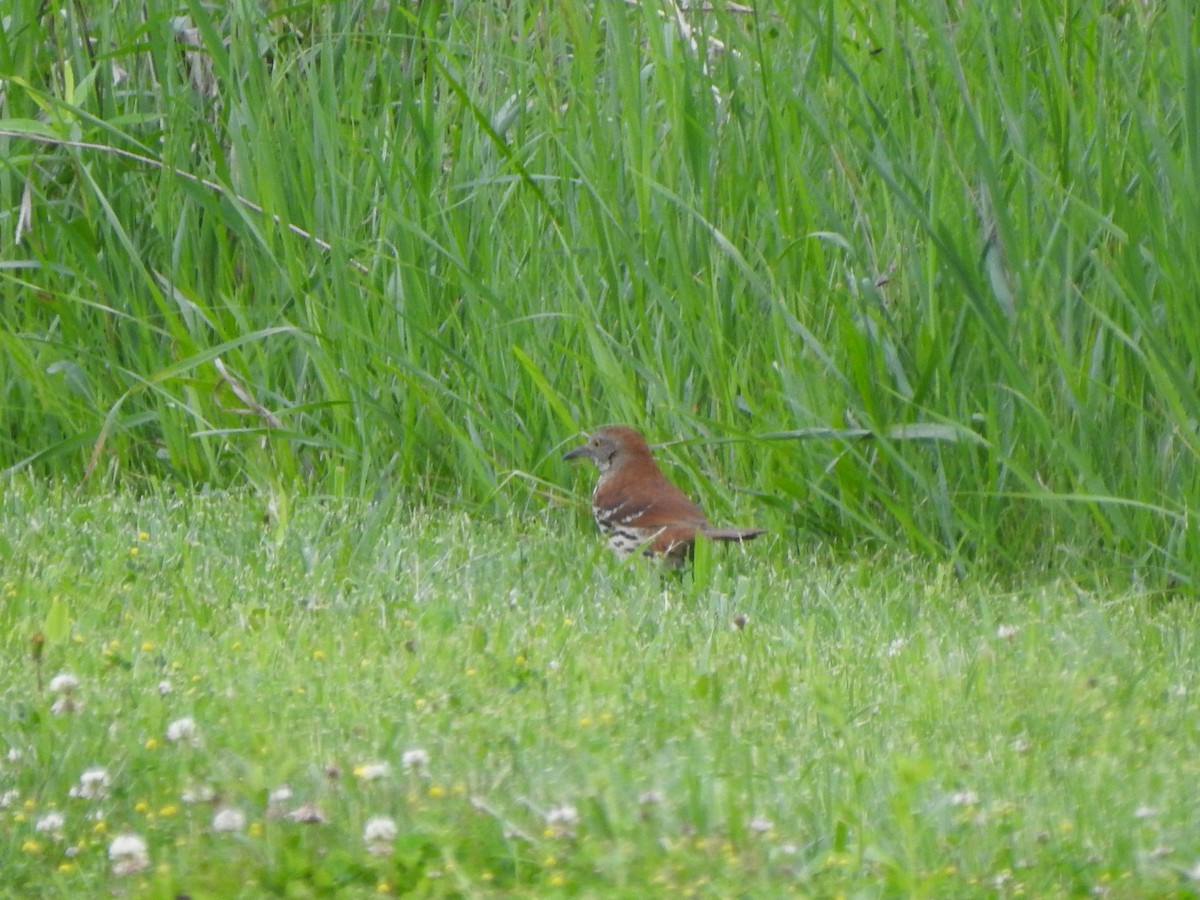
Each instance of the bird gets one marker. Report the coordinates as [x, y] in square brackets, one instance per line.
[637, 508]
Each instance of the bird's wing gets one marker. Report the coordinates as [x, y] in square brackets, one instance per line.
[663, 506]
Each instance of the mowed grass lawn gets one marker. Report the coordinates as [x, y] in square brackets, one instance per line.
[351, 699]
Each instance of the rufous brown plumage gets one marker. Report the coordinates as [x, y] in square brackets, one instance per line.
[637, 508]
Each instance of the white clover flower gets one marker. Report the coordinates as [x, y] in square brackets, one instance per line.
[378, 834]
[1007, 632]
[371, 771]
[415, 760]
[65, 705]
[128, 854]
[308, 814]
[183, 731]
[52, 823]
[760, 824]
[652, 797]
[9, 797]
[14, 755]
[277, 802]
[93, 785]
[63, 683]
[964, 798]
[229, 818]
[562, 819]
[165, 687]
[201, 794]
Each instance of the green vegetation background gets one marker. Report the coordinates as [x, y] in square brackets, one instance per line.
[935, 263]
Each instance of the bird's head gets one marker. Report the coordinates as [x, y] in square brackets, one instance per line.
[611, 446]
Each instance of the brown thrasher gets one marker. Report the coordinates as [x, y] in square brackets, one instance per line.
[637, 508]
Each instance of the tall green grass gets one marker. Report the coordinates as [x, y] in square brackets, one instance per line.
[944, 256]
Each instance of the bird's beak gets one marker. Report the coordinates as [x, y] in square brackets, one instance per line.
[576, 453]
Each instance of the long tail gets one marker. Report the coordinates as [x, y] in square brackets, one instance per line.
[732, 534]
